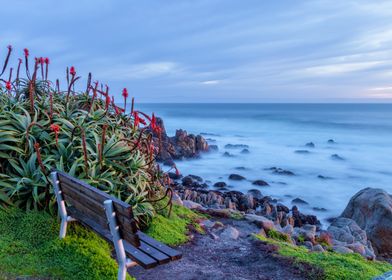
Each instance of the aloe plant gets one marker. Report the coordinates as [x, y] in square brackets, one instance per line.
[83, 133]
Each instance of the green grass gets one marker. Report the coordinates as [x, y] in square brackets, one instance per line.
[334, 265]
[29, 246]
[173, 230]
[274, 234]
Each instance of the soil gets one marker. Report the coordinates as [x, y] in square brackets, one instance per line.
[207, 258]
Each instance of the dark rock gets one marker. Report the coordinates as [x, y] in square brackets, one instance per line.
[331, 141]
[236, 177]
[302, 219]
[298, 201]
[179, 146]
[195, 177]
[241, 168]
[256, 193]
[236, 146]
[320, 209]
[245, 151]
[324, 177]
[280, 171]
[246, 202]
[227, 154]
[281, 207]
[336, 157]
[208, 134]
[260, 183]
[302, 152]
[174, 176]
[371, 209]
[213, 148]
[310, 145]
[220, 185]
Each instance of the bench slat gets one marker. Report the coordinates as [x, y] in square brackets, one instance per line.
[86, 202]
[132, 252]
[154, 253]
[174, 254]
[95, 193]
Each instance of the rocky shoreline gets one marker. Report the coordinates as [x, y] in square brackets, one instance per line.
[362, 228]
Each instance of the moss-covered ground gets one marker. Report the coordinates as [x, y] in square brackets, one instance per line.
[29, 245]
[334, 265]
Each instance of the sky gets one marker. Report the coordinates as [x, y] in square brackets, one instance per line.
[213, 50]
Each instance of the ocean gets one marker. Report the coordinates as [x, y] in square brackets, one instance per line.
[277, 135]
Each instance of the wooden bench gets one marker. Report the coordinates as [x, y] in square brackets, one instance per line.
[112, 219]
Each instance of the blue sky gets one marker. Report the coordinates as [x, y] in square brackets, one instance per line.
[213, 51]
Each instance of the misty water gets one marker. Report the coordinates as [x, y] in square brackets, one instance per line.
[274, 132]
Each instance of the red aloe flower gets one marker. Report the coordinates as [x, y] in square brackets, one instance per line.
[8, 85]
[177, 171]
[26, 52]
[125, 95]
[155, 128]
[136, 119]
[47, 60]
[72, 71]
[107, 102]
[56, 129]
[39, 158]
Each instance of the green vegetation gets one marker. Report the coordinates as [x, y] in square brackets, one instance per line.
[274, 234]
[83, 133]
[334, 265]
[173, 230]
[29, 246]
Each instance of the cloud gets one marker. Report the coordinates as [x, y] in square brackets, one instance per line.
[211, 82]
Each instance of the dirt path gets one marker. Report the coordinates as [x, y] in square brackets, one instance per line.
[222, 257]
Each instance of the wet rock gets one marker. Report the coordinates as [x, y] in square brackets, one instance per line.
[336, 157]
[319, 209]
[241, 168]
[220, 185]
[236, 146]
[182, 145]
[310, 145]
[230, 233]
[236, 177]
[195, 177]
[371, 209]
[260, 183]
[213, 148]
[300, 219]
[246, 202]
[255, 193]
[283, 208]
[227, 154]
[331, 141]
[302, 152]
[288, 229]
[299, 201]
[280, 171]
[245, 151]
[174, 176]
[308, 245]
[324, 177]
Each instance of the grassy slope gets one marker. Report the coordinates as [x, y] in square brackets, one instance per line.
[335, 266]
[29, 245]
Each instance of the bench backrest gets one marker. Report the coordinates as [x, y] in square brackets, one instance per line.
[87, 202]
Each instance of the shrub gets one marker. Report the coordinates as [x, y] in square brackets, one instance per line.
[82, 133]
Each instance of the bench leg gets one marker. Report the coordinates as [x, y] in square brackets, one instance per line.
[61, 206]
[123, 262]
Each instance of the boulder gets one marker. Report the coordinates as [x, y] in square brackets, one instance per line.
[280, 171]
[255, 193]
[220, 185]
[192, 205]
[260, 183]
[347, 231]
[298, 201]
[261, 221]
[336, 157]
[245, 151]
[371, 209]
[230, 233]
[236, 177]
[342, 250]
[310, 145]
